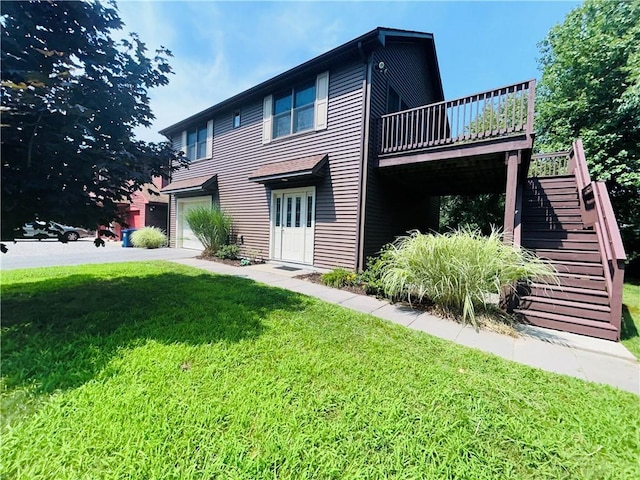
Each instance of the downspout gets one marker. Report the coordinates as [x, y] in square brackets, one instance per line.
[364, 161]
[170, 202]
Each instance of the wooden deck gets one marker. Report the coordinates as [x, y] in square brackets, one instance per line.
[462, 136]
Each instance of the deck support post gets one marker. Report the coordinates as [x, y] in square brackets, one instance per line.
[511, 207]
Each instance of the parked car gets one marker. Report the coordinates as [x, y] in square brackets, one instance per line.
[40, 230]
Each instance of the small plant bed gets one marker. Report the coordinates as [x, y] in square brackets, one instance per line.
[235, 262]
[230, 255]
[458, 275]
[492, 318]
[357, 288]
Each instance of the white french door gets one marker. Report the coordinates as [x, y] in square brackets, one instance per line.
[293, 224]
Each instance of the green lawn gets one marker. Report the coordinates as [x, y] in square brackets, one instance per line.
[154, 370]
[631, 317]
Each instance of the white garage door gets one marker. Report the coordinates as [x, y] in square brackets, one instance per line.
[186, 238]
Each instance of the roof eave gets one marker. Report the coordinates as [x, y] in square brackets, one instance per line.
[369, 41]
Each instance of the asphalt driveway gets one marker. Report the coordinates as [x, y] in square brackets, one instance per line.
[49, 253]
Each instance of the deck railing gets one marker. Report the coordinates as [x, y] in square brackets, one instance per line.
[488, 115]
[549, 165]
[597, 211]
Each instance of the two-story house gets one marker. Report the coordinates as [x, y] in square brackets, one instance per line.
[291, 159]
[325, 163]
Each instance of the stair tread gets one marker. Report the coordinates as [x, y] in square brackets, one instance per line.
[576, 263]
[581, 230]
[543, 239]
[549, 206]
[566, 289]
[551, 177]
[581, 276]
[567, 319]
[540, 252]
[567, 303]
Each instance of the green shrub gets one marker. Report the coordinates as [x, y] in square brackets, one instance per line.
[339, 277]
[457, 270]
[149, 237]
[211, 226]
[371, 278]
[228, 251]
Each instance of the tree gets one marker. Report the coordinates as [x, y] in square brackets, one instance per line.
[484, 212]
[71, 98]
[590, 88]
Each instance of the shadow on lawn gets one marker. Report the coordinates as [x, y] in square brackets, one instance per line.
[59, 333]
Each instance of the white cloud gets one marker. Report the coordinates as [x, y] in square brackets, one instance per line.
[223, 48]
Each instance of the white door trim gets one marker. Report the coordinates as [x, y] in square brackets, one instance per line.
[307, 225]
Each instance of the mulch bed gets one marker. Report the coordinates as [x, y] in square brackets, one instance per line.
[425, 306]
[227, 261]
[317, 278]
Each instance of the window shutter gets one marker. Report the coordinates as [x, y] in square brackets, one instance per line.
[322, 101]
[267, 119]
[184, 142]
[210, 139]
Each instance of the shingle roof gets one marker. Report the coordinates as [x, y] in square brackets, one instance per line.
[299, 167]
[191, 184]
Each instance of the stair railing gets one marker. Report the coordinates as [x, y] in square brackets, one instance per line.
[596, 210]
[549, 165]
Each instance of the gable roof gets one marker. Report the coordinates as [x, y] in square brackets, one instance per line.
[357, 48]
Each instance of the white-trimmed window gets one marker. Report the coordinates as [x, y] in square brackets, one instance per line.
[197, 142]
[293, 110]
[298, 109]
[236, 120]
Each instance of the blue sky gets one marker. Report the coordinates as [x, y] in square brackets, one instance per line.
[223, 48]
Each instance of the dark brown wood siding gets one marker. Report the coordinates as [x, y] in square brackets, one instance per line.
[408, 73]
[196, 169]
[239, 152]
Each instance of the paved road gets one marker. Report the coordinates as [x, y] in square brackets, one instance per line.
[49, 253]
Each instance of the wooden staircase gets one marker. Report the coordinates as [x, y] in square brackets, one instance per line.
[567, 220]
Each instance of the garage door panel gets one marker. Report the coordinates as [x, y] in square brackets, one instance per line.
[186, 237]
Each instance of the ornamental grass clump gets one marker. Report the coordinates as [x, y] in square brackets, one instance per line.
[210, 225]
[457, 270]
[149, 237]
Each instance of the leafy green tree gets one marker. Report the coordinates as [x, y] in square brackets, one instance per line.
[510, 113]
[590, 88]
[483, 212]
[71, 98]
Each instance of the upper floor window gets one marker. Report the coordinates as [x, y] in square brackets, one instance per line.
[236, 120]
[300, 108]
[293, 110]
[394, 101]
[197, 142]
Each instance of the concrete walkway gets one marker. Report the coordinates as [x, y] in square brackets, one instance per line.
[587, 358]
